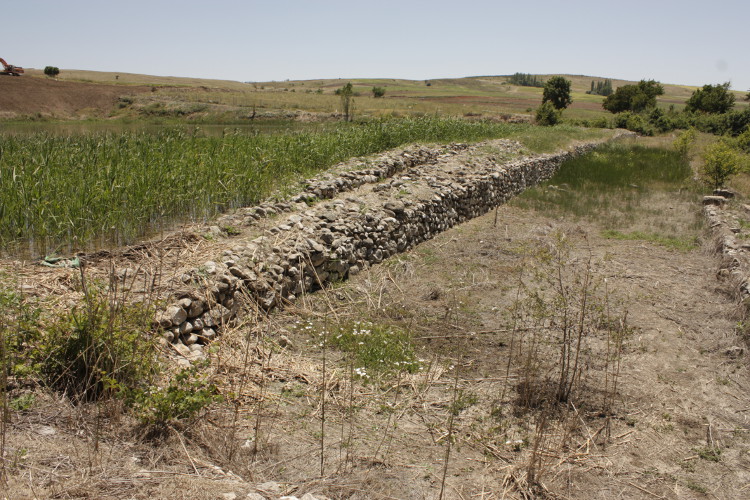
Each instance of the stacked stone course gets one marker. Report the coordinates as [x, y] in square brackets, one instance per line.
[332, 240]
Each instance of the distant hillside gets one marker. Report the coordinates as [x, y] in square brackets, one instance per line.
[231, 101]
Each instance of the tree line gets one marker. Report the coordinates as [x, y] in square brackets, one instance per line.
[525, 80]
[601, 88]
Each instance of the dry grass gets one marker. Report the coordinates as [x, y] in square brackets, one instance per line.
[679, 399]
[487, 96]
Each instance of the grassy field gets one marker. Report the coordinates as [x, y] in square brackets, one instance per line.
[481, 96]
[629, 190]
[71, 190]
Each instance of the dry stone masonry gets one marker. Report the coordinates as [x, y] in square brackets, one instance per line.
[341, 224]
[725, 227]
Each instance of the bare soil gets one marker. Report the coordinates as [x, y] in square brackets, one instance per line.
[678, 429]
[45, 97]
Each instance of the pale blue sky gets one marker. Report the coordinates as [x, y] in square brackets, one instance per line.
[688, 41]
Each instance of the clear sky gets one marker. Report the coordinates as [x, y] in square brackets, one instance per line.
[674, 41]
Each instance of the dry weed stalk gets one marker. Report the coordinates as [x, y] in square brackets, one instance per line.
[453, 410]
[559, 311]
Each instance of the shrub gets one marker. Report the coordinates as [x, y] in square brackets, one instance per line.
[547, 115]
[187, 393]
[99, 350]
[601, 122]
[720, 162]
[737, 122]
[19, 328]
[711, 99]
[743, 141]
[51, 71]
[633, 122]
[633, 97]
[685, 141]
[378, 92]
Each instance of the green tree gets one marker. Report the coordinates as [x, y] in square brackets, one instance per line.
[51, 71]
[525, 80]
[347, 101]
[557, 92]
[634, 97]
[378, 92]
[720, 162]
[601, 88]
[711, 99]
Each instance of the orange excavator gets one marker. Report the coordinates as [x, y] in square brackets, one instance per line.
[9, 69]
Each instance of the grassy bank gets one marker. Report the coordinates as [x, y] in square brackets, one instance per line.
[70, 190]
[632, 191]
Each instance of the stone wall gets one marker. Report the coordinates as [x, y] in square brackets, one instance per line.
[332, 240]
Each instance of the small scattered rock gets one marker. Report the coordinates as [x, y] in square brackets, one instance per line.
[46, 430]
[181, 348]
[271, 487]
[714, 200]
[724, 193]
[735, 352]
[285, 342]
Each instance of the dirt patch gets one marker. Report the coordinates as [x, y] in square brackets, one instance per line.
[24, 96]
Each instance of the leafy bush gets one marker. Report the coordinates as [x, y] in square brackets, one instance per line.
[378, 92]
[634, 97]
[183, 398]
[634, 122]
[99, 350]
[601, 122]
[51, 71]
[711, 99]
[743, 141]
[547, 115]
[737, 122]
[685, 141]
[720, 162]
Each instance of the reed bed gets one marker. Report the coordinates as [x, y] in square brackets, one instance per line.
[69, 191]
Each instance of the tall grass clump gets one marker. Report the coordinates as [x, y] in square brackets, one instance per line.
[71, 190]
[98, 350]
[102, 349]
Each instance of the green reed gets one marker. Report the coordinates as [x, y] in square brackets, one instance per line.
[72, 190]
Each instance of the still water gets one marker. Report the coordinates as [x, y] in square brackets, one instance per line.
[209, 130]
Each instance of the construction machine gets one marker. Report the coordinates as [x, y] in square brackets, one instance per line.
[9, 69]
